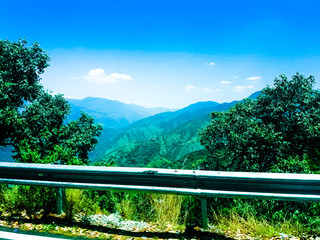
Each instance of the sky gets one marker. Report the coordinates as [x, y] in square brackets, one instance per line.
[167, 53]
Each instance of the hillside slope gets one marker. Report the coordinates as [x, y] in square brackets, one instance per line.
[111, 114]
[160, 140]
[166, 136]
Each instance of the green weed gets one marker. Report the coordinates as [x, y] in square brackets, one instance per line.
[78, 201]
[167, 208]
[253, 226]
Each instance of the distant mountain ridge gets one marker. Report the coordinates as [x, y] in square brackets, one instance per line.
[168, 135]
[165, 137]
[111, 113]
[132, 132]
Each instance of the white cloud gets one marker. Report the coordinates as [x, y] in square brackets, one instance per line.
[120, 76]
[211, 90]
[212, 63]
[189, 87]
[73, 78]
[241, 88]
[254, 78]
[225, 82]
[98, 75]
[235, 76]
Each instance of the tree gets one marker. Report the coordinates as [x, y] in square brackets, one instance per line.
[279, 128]
[41, 124]
[20, 67]
[34, 121]
[81, 136]
[44, 136]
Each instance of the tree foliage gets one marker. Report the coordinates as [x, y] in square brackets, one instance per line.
[272, 133]
[20, 67]
[31, 119]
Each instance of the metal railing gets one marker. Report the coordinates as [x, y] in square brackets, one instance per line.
[277, 186]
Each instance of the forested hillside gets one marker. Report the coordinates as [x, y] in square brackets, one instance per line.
[111, 114]
[164, 140]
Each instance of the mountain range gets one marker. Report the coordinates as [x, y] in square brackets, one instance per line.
[164, 137]
[110, 113]
[137, 136]
[168, 139]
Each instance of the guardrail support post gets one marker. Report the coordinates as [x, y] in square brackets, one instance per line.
[61, 195]
[204, 212]
[204, 205]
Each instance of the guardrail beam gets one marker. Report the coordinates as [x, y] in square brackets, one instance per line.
[276, 186]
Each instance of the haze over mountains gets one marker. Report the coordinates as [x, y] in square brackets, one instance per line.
[139, 136]
[111, 113]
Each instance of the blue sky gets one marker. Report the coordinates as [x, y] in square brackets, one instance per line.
[167, 53]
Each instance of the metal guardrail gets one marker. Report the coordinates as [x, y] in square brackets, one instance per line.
[278, 186]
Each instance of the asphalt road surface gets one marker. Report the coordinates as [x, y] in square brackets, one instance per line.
[21, 236]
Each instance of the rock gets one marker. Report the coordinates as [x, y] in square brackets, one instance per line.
[115, 221]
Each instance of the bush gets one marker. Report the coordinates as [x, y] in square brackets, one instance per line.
[29, 199]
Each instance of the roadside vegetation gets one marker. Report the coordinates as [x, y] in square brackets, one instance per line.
[240, 219]
[279, 131]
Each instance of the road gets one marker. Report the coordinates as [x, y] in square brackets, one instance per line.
[19, 236]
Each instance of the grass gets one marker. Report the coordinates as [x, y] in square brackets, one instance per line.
[167, 208]
[161, 209]
[126, 207]
[235, 225]
[79, 202]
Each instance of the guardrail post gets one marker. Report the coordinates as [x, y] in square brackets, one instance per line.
[204, 212]
[204, 204]
[61, 195]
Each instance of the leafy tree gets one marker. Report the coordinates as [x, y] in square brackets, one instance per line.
[273, 132]
[81, 136]
[20, 67]
[277, 132]
[45, 138]
[31, 119]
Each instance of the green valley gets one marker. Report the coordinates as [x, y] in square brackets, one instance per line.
[169, 139]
